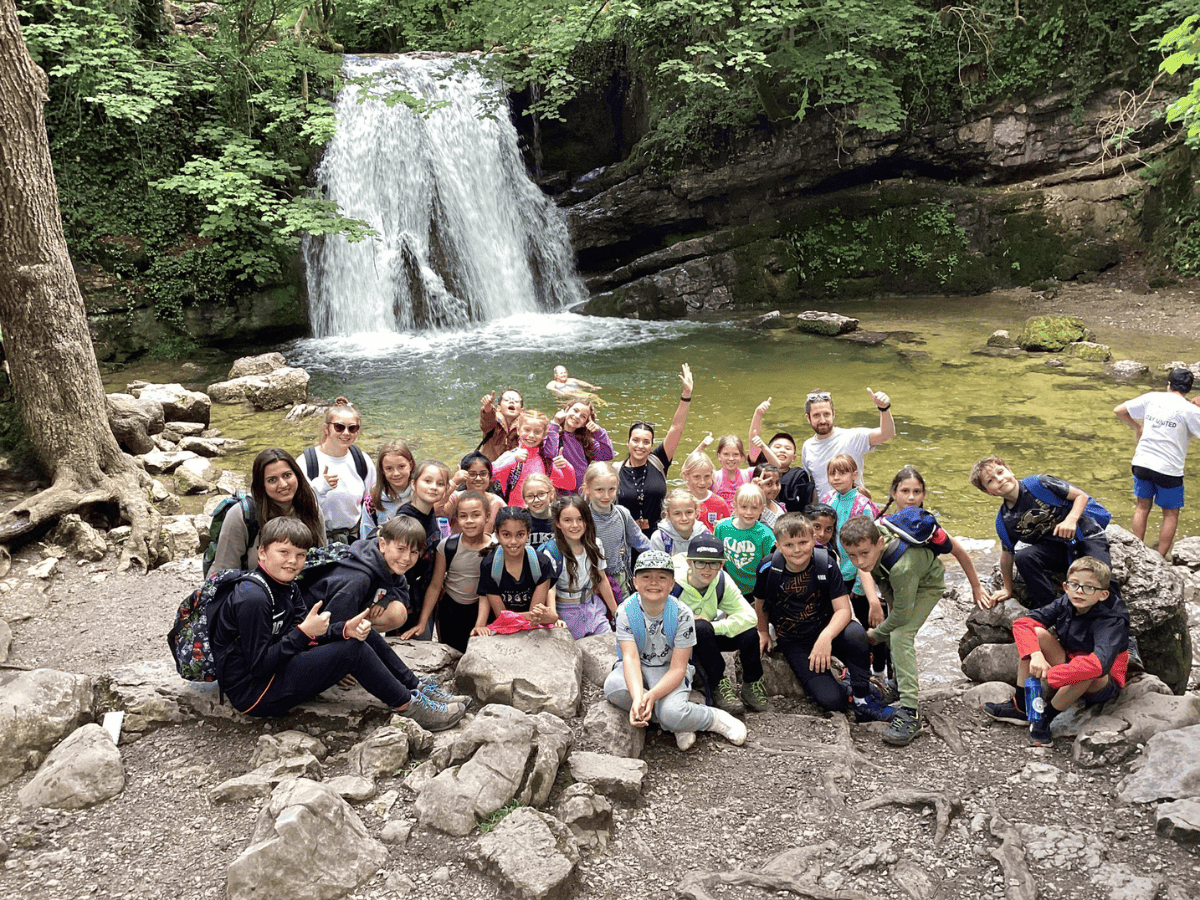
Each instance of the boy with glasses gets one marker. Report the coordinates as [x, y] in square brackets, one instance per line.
[724, 622]
[1085, 656]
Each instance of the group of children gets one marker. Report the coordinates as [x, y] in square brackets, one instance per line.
[535, 538]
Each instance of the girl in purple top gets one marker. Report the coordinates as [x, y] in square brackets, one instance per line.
[575, 434]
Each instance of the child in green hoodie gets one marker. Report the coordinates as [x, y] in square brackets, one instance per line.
[724, 622]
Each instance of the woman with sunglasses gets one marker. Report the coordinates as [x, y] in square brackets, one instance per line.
[340, 473]
[642, 483]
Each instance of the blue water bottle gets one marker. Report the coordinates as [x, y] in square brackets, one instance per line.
[1035, 703]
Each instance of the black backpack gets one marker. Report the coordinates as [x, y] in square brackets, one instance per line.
[310, 462]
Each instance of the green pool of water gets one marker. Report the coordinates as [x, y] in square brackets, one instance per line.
[951, 408]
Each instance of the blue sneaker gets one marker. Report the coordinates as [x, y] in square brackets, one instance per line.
[872, 709]
[430, 688]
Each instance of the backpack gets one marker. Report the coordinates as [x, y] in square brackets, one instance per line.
[310, 462]
[320, 560]
[1033, 484]
[774, 566]
[189, 636]
[915, 527]
[249, 516]
[637, 619]
[531, 556]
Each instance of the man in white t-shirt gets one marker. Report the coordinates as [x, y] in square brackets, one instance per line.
[829, 440]
[1164, 422]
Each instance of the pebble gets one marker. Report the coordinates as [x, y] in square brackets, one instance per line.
[441, 875]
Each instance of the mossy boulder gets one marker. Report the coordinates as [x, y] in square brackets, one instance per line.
[1051, 333]
[1089, 350]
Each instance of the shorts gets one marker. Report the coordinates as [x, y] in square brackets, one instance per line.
[589, 616]
[1165, 490]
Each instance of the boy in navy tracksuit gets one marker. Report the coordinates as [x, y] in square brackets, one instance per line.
[272, 652]
[1086, 656]
[1043, 524]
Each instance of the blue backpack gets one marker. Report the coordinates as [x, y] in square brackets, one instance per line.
[914, 527]
[637, 619]
[1033, 484]
[531, 556]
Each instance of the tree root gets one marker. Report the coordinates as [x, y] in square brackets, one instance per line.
[795, 870]
[947, 731]
[945, 804]
[1011, 856]
[70, 493]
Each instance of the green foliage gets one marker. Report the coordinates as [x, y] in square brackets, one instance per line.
[1183, 44]
[490, 822]
[920, 242]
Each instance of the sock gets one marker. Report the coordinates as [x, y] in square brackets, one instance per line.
[859, 701]
[1051, 713]
[1019, 700]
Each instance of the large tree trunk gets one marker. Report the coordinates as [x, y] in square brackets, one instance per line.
[53, 366]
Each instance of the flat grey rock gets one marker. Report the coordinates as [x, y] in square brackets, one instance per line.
[85, 769]
[613, 776]
[599, 656]
[1169, 768]
[305, 827]
[533, 671]
[385, 752]
[1179, 821]
[37, 710]
[531, 854]
[606, 728]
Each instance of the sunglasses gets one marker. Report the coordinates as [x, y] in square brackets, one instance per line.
[819, 396]
[339, 427]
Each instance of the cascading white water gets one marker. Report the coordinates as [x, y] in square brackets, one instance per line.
[464, 235]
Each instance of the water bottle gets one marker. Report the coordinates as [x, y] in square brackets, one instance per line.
[1035, 703]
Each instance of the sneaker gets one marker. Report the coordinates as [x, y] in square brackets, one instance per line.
[1006, 712]
[1039, 734]
[903, 728]
[872, 710]
[754, 695]
[725, 698]
[432, 715]
[728, 727]
[887, 688]
[685, 739]
[430, 688]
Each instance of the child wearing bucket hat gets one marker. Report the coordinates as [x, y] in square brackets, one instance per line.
[724, 622]
[655, 636]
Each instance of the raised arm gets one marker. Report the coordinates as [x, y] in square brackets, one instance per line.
[671, 442]
[887, 426]
[755, 442]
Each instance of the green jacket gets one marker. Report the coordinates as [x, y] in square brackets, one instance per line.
[740, 615]
[917, 573]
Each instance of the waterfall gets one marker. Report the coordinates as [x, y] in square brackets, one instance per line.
[464, 235]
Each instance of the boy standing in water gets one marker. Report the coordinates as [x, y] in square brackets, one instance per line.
[1164, 422]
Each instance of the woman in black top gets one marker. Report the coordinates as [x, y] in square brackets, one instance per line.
[643, 474]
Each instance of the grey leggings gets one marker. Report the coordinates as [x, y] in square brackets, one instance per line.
[674, 712]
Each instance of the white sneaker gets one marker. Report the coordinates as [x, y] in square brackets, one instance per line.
[685, 739]
[733, 730]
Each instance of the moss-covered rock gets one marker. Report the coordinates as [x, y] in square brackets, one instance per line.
[1051, 333]
[1089, 350]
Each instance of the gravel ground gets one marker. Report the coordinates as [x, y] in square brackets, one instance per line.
[716, 809]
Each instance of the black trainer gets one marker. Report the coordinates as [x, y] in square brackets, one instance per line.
[1006, 712]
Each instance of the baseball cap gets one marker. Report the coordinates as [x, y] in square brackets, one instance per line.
[1180, 380]
[706, 548]
[653, 559]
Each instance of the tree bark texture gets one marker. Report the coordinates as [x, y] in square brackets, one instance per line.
[56, 379]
